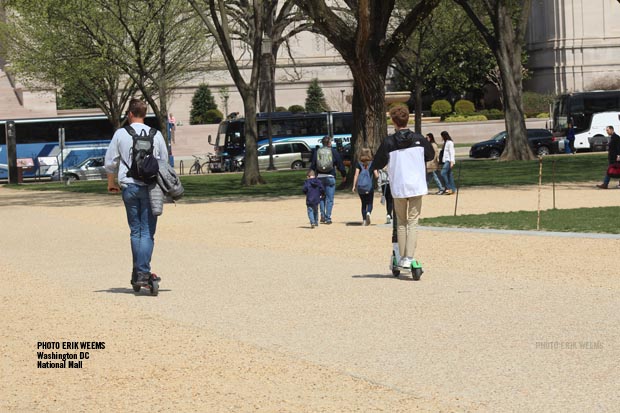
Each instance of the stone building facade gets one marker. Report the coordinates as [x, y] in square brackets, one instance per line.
[573, 45]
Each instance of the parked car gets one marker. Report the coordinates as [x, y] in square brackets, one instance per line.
[89, 169]
[542, 142]
[286, 155]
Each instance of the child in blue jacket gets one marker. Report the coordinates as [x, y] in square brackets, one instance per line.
[313, 188]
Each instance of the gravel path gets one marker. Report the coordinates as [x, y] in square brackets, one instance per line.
[259, 313]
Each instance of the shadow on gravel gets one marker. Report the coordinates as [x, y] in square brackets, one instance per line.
[388, 276]
[57, 199]
[121, 290]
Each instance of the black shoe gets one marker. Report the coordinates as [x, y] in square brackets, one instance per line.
[322, 220]
[142, 278]
[328, 222]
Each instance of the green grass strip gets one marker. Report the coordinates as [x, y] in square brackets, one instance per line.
[604, 220]
[582, 168]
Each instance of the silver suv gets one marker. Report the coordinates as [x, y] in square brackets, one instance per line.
[90, 169]
[293, 155]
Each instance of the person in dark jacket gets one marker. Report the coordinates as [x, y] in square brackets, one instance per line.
[569, 142]
[613, 154]
[313, 188]
[405, 153]
[327, 175]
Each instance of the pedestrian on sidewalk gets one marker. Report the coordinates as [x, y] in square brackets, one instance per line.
[363, 183]
[449, 159]
[325, 161]
[613, 154]
[432, 166]
[569, 142]
[135, 193]
[313, 188]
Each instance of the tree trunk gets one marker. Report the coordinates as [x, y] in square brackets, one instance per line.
[266, 84]
[418, 105]
[251, 175]
[368, 106]
[508, 56]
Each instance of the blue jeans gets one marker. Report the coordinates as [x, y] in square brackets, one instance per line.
[448, 176]
[142, 225]
[313, 214]
[436, 179]
[327, 203]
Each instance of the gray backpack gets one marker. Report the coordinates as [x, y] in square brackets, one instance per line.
[324, 160]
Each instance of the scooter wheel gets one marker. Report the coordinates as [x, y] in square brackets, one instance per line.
[417, 273]
[136, 288]
[395, 272]
[154, 288]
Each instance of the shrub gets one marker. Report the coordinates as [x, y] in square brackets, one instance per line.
[544, 115]
[281, 109]
[491, 114]
[535, 103]
[202, 102]
[464, 107]
[465, 118]
[296, 109]
[213, 116]
[441, 107]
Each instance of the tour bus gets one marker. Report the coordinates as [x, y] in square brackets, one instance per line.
[581, 108]
[309, 128]
[38, 144]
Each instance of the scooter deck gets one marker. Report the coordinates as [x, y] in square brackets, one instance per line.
[415, 269]
[152, 285]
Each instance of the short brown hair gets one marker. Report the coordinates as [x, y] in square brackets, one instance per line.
[400, 116]
[137, 108]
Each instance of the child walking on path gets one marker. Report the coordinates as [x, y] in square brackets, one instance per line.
[313, 188]
[363, 183]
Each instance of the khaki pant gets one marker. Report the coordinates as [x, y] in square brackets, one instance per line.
[407, 211]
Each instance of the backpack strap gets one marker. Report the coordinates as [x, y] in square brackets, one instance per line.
[131, 131]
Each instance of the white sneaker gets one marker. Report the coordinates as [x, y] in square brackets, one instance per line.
[388, 219]
[367, 218]
[405, 262]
